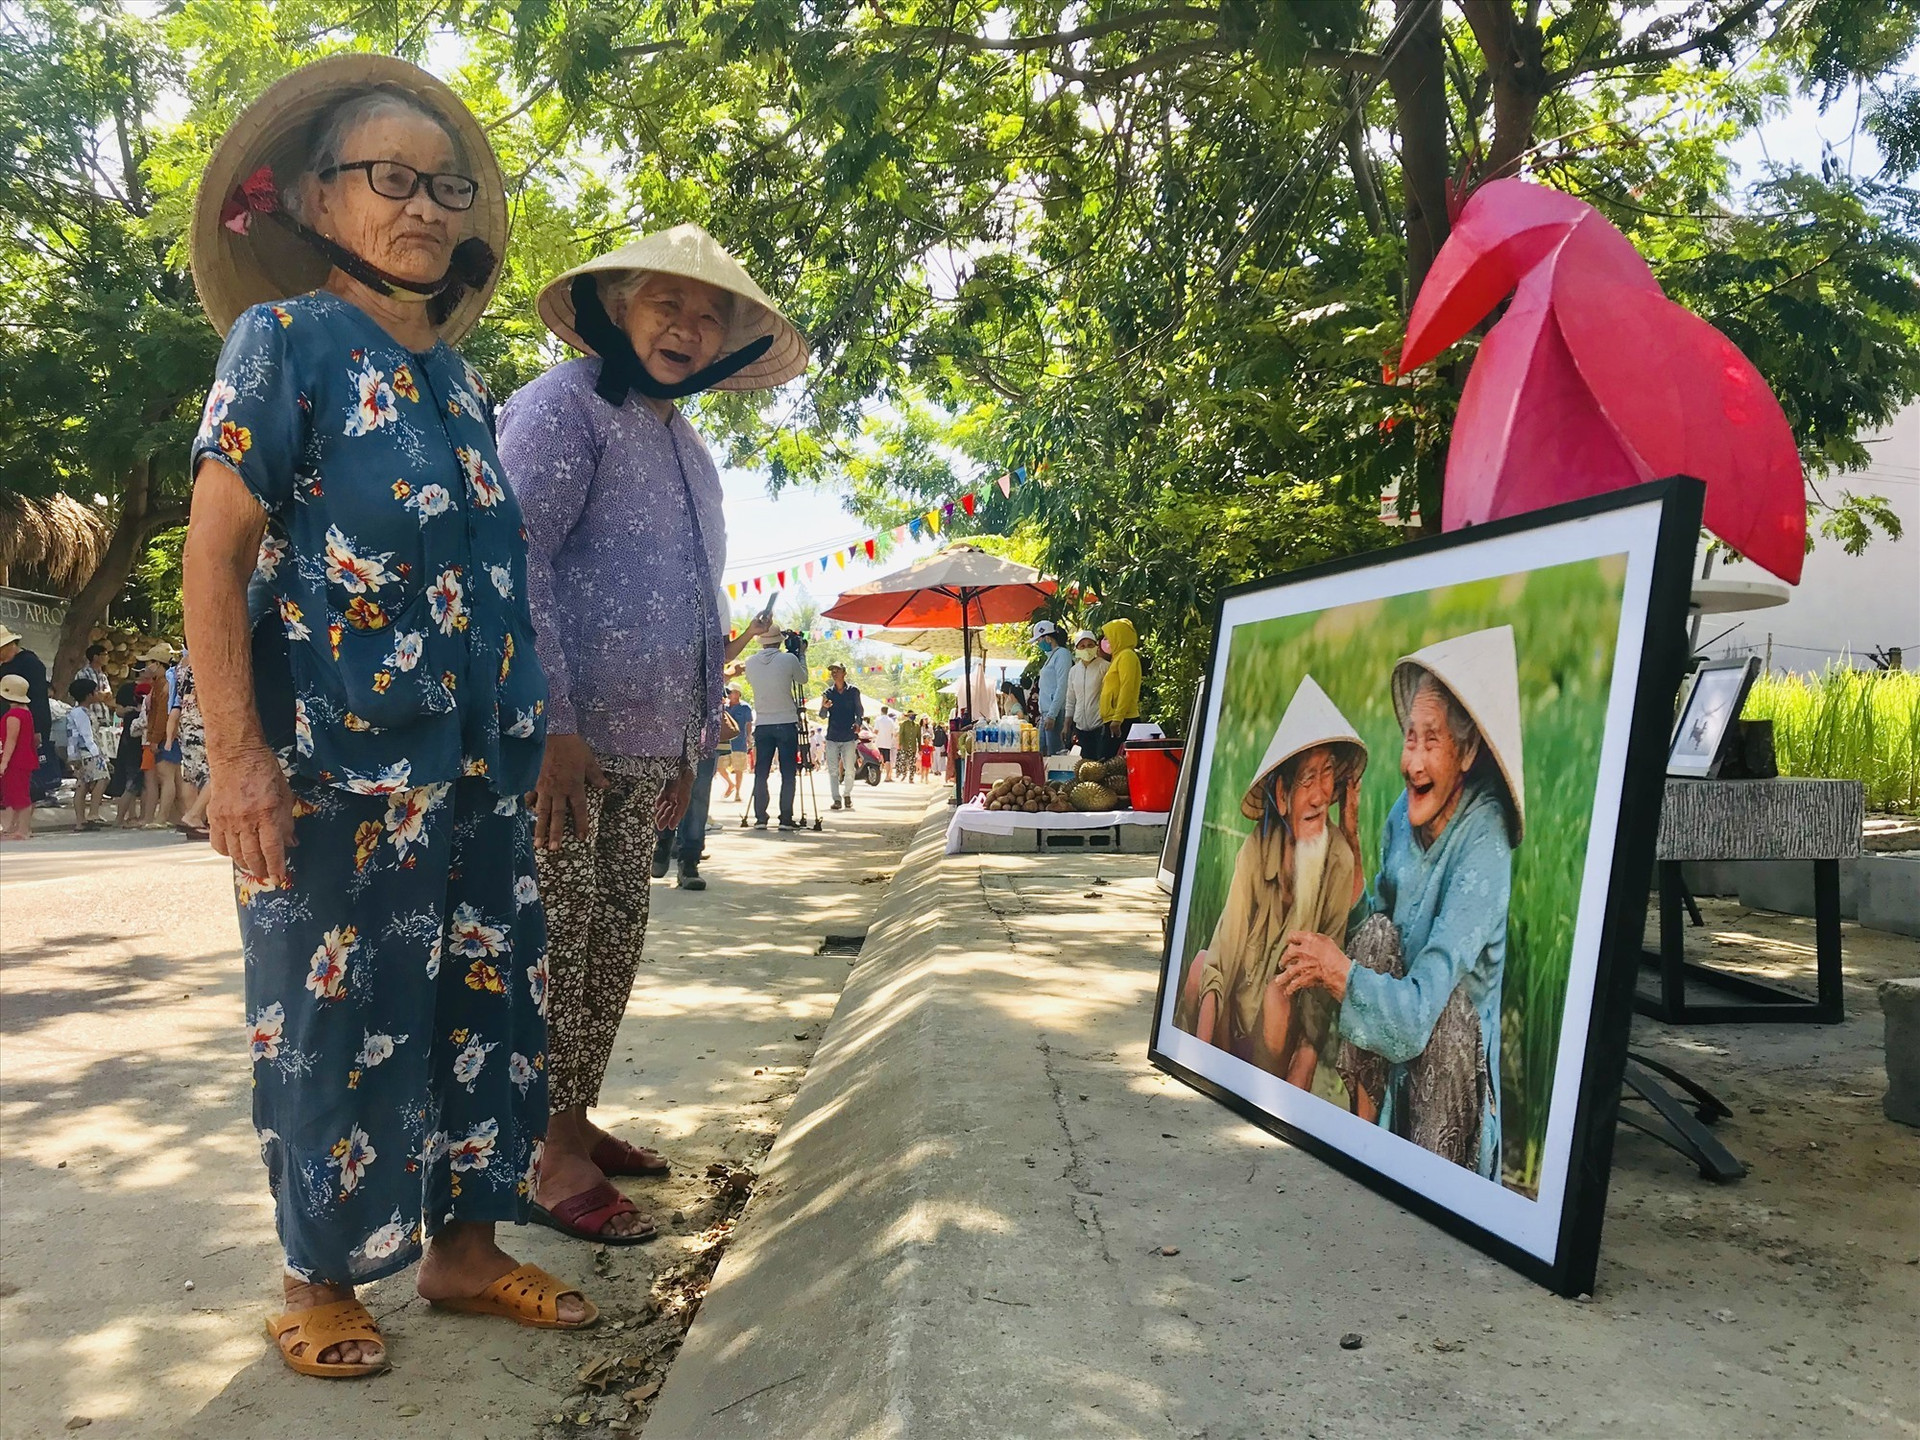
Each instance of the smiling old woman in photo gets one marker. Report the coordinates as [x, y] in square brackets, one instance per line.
[355, 588]
[1296, 870]
[627, 543]
[1427, 1001]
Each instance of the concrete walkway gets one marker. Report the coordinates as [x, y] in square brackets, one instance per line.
[986, 1216]
[130, 1167]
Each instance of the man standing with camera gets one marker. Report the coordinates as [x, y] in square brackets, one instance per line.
[843, 710]
[776, 676]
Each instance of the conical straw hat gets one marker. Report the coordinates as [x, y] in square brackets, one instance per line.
[1482, 673]
[233, 271]
[690, 252]
[1311, 719]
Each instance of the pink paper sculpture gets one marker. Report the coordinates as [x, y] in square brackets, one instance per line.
[1593, 380]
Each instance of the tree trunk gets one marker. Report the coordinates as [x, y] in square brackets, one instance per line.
[138, 519]
[1514, 50]
[1355, 140]
[1416, 75]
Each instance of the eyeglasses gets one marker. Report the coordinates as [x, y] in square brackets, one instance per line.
[402, 182]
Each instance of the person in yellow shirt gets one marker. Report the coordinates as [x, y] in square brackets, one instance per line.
[1120, 691]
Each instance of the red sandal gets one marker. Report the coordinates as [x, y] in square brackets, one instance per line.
[585, 1215]
[617, 1157]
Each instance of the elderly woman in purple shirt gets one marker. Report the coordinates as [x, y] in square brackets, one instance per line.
[625, 547]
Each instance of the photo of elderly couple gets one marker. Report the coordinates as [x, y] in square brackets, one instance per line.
[1386, 864]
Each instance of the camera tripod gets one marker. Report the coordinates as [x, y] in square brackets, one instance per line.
[804, 798]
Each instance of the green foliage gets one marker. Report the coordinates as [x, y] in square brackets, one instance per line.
[1164, 250]
[1847, 724]
[1565, 677]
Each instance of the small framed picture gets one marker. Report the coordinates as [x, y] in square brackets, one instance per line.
[1414, 858]
[1170, 847]
[1706, 719]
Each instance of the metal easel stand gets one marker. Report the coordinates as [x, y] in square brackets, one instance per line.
[1676, 1124]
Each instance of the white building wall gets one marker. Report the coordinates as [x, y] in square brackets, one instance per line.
[1846, 605]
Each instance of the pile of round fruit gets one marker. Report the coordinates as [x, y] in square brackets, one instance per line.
[1020, 793]
[1095, 786]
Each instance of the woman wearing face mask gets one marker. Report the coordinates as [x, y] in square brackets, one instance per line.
[1084, 681]
[1431, 1006]
[1297, 871]
[626, 545]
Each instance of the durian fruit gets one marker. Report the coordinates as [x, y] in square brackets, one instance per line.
[1089, 796]
[1116, 770]
[1093, 771]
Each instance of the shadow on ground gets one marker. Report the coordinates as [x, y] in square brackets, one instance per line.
[986, 1216]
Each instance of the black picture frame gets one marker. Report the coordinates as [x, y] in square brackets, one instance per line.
[1568, 1264]
[1702, 757]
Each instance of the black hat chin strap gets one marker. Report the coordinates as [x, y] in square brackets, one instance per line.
[468, 267]
[623, 372]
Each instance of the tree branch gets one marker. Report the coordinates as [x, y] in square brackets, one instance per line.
[1146, 64]
[651, 47]
[1621, 59]
[1187, 14]
[1351, 62]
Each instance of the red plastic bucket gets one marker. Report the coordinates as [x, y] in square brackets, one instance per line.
[1153, 771]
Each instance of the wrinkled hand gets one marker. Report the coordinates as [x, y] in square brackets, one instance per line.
[560, 795]
[250, 814]
[671, 808]
[1312, 959]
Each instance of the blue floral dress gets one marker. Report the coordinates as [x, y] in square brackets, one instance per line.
[397, 990]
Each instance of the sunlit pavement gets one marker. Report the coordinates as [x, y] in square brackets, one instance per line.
[137, 1257]
[988, 1216]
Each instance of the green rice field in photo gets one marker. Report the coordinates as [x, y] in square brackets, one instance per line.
[1565, 619]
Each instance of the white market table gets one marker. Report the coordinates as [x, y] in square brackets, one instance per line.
[976, 819]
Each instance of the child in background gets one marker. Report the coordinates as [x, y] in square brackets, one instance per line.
[86, 757]
[19, 755]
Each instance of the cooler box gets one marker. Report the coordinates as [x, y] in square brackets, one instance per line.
[1153, 772]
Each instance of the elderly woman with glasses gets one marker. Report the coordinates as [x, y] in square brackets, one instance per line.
[356, 602]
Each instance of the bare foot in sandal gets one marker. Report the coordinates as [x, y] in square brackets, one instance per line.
[596, 1137]
[302, 1296]
[564, 1175]
[462, 1260]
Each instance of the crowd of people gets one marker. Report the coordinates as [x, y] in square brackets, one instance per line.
[140, 745]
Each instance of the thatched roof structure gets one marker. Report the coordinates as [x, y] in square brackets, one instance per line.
[52, 544]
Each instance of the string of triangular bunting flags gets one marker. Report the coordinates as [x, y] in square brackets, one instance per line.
[931, 523]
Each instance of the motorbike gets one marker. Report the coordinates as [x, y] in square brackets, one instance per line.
[867, 762]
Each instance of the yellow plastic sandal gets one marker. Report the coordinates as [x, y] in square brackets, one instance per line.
[526, 1296]
[324, 1326]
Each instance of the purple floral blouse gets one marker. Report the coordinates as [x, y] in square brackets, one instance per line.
[626, 541]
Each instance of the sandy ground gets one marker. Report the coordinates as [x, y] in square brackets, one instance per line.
[137, 1258]
[988, 1217]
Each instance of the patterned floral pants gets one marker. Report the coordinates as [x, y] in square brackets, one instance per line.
[396, 998]
[597, 892]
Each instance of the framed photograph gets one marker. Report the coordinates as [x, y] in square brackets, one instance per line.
[1170, 847]
[1706, 719]
[1413, 872]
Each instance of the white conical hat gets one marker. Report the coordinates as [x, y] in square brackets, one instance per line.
[1311, 719]
[1481, 671]
[690, 252]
